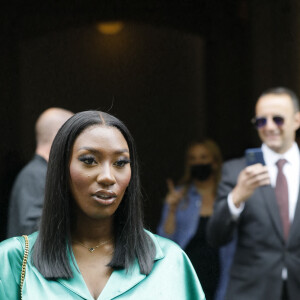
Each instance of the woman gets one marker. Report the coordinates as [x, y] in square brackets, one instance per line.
[188, 208]
[91, 243]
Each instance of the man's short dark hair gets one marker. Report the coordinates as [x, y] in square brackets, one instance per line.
[283, 91]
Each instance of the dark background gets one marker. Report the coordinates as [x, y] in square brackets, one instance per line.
[179, 70]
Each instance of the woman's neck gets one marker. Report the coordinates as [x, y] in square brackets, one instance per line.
[208, 185]
[92, 231]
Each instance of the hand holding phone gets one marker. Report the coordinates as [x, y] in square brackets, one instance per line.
[250, 177]
[254, 156]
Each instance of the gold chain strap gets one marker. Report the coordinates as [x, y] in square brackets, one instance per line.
[25, 257]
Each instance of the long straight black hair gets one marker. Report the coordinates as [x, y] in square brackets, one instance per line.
[50, 253]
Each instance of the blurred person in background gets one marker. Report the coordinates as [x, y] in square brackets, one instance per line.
[27, 195]
[188, 207]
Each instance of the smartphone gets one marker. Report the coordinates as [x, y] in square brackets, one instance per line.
[254, 156]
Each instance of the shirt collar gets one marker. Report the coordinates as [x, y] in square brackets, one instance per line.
[40, 158]
[119, 282]
[271, 157]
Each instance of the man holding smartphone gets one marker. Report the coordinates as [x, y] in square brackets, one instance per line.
[262, 203]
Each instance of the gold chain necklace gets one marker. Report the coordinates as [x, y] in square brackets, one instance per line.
[92, 249]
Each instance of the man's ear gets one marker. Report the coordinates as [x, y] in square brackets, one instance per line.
[297, 120]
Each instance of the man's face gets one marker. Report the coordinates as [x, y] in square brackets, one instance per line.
[277, 137]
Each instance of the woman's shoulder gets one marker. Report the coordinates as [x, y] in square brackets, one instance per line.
[11, 257]
[174, 266]
[14, 247]
[188, 187]
[11, 245]
[164, 246]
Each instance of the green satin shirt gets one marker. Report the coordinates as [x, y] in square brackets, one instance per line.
[172, 277]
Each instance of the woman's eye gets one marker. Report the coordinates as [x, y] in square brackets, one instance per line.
[122, 162]
[88, 160]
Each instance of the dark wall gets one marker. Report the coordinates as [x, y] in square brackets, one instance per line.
[175, 72]
[151, 78]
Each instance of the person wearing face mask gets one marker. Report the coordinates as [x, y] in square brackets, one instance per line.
[188, 208]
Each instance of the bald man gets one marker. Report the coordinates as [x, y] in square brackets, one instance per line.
[27, 195]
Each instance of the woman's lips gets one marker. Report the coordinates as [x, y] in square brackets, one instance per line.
[105, 197]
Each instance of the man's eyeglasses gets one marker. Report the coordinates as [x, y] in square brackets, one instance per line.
[260, 122]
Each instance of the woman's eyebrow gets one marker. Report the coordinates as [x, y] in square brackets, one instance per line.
[93, 150]
[122, 151]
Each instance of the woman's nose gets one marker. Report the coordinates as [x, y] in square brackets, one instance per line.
[106, 176]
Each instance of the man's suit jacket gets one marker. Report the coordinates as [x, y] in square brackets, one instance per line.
[27, 198]
[261, 252]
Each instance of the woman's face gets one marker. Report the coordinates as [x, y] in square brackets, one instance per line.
[199, 154]
[99, 171]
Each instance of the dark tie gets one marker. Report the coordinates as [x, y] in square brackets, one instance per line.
[282, 196]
